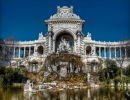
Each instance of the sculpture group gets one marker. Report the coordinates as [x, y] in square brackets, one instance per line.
[63, 46]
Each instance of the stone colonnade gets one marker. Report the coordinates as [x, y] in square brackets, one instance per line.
[22, 52]
[112, 52]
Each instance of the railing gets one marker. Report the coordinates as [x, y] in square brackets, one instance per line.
[21, 60]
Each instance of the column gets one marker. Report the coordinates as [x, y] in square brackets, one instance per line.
[85, 50]
[115, 52]
[34, 67]
[94, 50]
[19, 52]
[125, 53]
[24, 51]
[120, 53]
[99, 51]
[14, 52]
[54, 45]
[34, 49]
[110, 52]
[78, 42]
[29, 51]
[94, 69]
[74, 45]
[104, 52]
[43, 50]
[49, 35]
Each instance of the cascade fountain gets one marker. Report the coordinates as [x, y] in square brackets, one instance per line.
[62, 69]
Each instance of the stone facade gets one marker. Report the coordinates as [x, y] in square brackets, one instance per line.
[66, 24]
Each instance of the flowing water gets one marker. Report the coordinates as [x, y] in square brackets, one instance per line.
[15, 93]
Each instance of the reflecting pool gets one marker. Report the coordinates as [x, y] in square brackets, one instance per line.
[15, 93]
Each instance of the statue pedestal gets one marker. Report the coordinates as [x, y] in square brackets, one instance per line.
[63, 71]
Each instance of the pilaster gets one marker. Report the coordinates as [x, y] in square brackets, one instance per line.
[49, 36]
[14, 52]
[19, 51]
[125, 53]
[24, 51]
[110, 52]
[53, 45]
[104, 52]
[120, 53]
[115, 52]
[100, 52]
[29, 51]
[75, 45]
[78, 35]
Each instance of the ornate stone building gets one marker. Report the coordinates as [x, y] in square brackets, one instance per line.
[67, 27]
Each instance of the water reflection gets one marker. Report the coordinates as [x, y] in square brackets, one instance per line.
[13, 93]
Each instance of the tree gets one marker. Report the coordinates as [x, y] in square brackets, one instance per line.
[7, 48]
[2, 70]
[1, 49]
[109, 62]
[113, 71]
[103, 75]
[9, 76]
[127, 71]
[100, 64]
[110, 72]
[125, 52]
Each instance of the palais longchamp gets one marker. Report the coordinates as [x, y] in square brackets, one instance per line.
[65, 36]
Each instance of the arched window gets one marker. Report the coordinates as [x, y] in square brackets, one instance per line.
[40, 49]
[88, 50]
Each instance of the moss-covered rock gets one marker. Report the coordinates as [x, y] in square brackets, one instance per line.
[49, 78]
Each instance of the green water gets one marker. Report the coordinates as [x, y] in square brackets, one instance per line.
[15, 93]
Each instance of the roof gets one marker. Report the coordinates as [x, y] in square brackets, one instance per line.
[64, 14]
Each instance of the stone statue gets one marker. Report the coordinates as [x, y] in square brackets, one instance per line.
[40, 36]
[88, 37]
[89, 34]
[63, 46]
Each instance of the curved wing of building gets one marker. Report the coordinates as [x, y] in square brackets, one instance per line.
[65, 34]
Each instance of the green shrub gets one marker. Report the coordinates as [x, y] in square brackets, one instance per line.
[9, 76]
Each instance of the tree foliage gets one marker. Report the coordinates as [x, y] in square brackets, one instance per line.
[6, 49]
[100, 63]
[127, 71]
[110, 72]
[9, 76]
[109, 63]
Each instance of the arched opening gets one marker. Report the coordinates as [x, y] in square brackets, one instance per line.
[40, 49]
[88, 50]
[68, 38]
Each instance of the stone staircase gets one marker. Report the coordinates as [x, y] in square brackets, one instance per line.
[19, 61]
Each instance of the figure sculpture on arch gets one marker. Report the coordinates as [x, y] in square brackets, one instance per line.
[63, 46]
[40, 35]
[89, 34]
